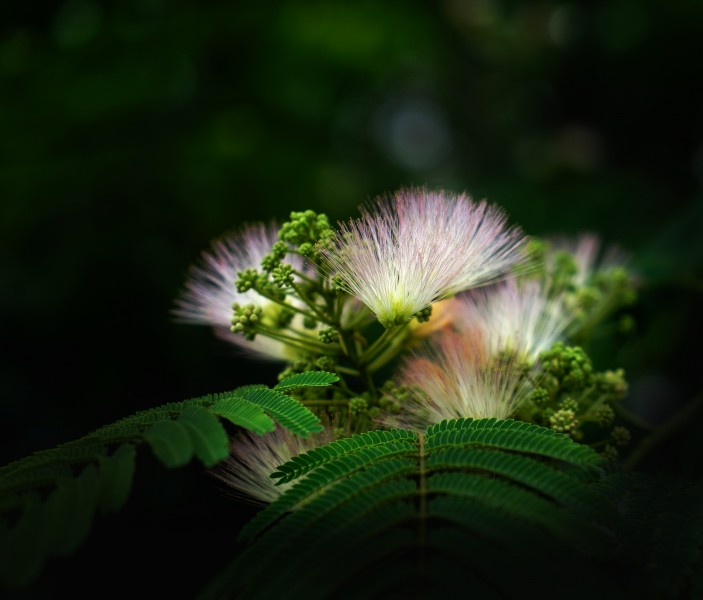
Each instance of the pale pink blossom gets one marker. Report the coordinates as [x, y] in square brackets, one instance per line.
[417, 247]
[513, 315]
[453, 377]
[210, 291]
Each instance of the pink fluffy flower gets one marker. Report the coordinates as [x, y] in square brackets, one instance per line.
[254, 457]
[452, 378]
[210, 291]
[417, 247]
[514, 316]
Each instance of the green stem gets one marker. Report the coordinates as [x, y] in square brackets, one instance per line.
[305, 277]
[381, 344]
[347, 371]
[302, 343]
[318, 314]
[288, 306]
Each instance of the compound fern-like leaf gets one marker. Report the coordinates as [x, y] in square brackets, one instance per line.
[49, 498]
[506, 486]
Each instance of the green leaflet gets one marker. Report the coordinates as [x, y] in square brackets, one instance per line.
[288, 412]
[209, 438]
[23, 548]
[303, 463]
[116, 475]
[556, 483]
[308, 379]
[511, 435]
[69, 511]
[325, 475]
[171, 442]
[243, 413]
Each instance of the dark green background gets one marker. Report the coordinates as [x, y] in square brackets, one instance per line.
[134, 132]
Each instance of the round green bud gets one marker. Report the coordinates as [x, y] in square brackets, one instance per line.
[270, 262]
[569, 403]
[620, 435]
[325, 363]
[247, 280]
[563, 421]
[283, 275]
[612, 383]
[357, 406]
[279, 249]
[540, 396]
[424, 315]
[328, 336]
[604, 415]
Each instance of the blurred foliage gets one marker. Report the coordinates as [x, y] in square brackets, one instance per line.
[134, 132]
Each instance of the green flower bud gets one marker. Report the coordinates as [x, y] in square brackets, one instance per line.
[424, 315]
[563, 421]
[569, 403]
[270, 262]
[612, 383]
[604, 415]
[358, 405]
[245, 319]
[246, 280]
[328, 336]
[306, 249]
[283, 275]
[279, 249]
[325, 363]
[540, 396]
[620, 436]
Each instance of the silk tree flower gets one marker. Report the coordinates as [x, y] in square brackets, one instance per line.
[210, 291]
[417, 247]
[454, 377]
[254, 457]
[513, 316]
